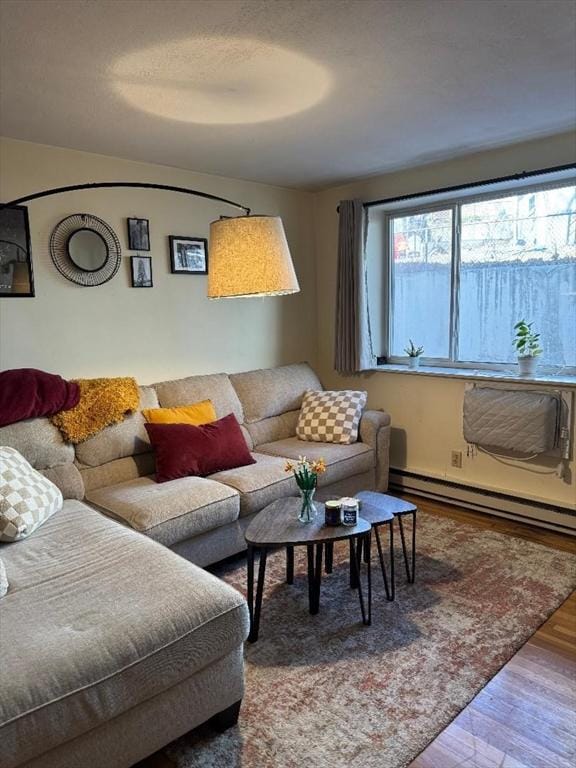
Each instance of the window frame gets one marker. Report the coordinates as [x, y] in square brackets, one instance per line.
[454, 203]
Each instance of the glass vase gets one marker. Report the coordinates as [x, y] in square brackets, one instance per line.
[307, 509]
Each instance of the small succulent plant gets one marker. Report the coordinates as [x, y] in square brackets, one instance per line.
[413, 350]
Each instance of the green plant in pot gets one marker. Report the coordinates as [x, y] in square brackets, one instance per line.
[413, 353]
[528, 347]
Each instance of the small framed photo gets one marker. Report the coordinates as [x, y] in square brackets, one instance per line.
[188, 255]
[141, 271]
[138, 235]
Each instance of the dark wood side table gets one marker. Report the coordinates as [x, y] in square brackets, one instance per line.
[278, 526]
[380, 508]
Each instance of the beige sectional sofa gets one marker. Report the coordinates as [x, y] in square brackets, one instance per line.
[111, 645]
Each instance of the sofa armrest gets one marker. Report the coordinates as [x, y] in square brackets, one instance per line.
[375, 432]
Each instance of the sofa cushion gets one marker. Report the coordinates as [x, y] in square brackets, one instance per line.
[3, 579]
[182, 450]
[68, 479]
[168, 512]
[215, 387]
[117, 471]
[97, 620]
[259, 484]
[127, 438]
[27, 498]
[273, 428]
[273, 391]
[39, 441]
[342, 461]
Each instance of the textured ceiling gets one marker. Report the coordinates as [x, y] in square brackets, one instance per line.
[303, 93]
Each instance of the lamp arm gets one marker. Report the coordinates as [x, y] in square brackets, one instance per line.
[116, 184]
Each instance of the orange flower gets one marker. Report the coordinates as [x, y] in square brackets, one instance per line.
[289, 467]
[319, 466]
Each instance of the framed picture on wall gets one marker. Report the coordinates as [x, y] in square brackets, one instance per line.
[141, 271]
[138, 235]
[16, 276]
[188, 255]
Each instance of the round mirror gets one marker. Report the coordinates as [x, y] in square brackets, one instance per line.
[87, 250]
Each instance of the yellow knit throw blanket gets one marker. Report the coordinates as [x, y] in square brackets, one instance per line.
[102, 402]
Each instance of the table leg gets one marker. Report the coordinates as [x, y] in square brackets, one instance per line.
[353, 571]
[355, 561]
[366, 552]
[413, 547]
[329, 555]
[310, 557]
[410, 572]
[389, 596]
[368, 548]
[250, 582]
[253, 636]
[404, 550]
[392, 572]
[289, 565]
[315, 607]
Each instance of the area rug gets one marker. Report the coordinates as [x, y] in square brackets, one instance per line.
[327, 692]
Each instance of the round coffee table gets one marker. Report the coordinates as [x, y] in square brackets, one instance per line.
[277, 525]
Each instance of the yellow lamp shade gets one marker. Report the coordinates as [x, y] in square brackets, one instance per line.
[249, 256]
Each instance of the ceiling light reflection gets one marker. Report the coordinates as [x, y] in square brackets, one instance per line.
[220, 80]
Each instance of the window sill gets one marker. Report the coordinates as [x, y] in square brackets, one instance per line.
[474, 374]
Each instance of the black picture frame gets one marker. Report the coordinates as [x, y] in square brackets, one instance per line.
[188, 255]
[15, 253]
[141, 271]
[138, 234]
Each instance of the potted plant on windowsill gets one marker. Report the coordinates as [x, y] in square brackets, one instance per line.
[528, 348]
[413, 353]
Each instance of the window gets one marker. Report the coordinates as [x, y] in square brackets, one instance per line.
[463, 272]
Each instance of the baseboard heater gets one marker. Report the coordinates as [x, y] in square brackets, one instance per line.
[550, 516]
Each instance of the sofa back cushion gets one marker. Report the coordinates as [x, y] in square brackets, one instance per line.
[215, 387]
[273, 391]
[39, 441]
[118, 471]
[127, 438]
[274, 428]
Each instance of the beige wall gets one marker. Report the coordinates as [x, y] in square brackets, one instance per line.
[172, 329]
[427, 412]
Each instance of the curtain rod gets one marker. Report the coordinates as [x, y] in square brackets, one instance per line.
[470, 185]
[129, 184]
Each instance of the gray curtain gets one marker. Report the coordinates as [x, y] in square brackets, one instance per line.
[353, 348]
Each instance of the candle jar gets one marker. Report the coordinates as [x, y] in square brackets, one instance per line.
[349, 507]
[332, 513]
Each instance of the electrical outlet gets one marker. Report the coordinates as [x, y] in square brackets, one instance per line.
[456, 459]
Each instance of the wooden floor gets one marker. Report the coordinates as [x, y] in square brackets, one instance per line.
[525, 717]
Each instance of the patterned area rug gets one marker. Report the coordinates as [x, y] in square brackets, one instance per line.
[325, 691]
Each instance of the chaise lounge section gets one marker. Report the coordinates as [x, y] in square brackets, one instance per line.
[131, 645]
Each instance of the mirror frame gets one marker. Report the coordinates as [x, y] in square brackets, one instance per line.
[60, 238]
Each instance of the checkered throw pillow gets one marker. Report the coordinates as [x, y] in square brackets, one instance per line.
[27, 498]
[331, 417]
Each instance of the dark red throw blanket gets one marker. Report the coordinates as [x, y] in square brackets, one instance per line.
[26, 393]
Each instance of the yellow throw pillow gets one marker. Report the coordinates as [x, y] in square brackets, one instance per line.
[195, 414]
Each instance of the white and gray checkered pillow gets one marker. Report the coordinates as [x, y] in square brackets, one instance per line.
[331, 417]
[27, 498]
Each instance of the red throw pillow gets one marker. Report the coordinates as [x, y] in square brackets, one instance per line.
[183, 450]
